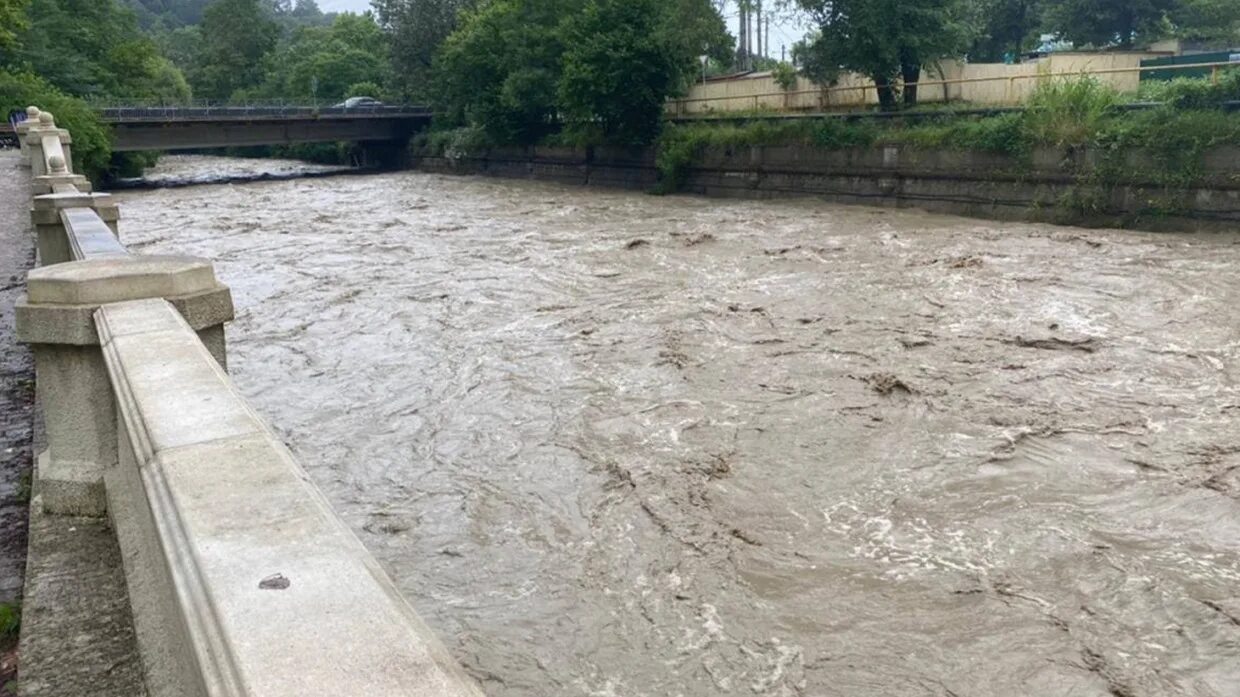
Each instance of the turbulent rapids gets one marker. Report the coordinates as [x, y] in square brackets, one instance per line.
[612, 444]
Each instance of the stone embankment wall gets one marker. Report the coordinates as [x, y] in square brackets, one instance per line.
[1051, 185]
[241, 579]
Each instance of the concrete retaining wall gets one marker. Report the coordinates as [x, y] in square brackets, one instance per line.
[1054, 186]
[241, 579]
[983, 84]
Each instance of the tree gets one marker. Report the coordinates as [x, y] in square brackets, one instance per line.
[322, 62]
[91, 142]
[12, 20]
[501, 68]
[93, 48]
[416, 29]
[1110, 22]
[884, 39]
[696, 28]
[307, 13]
[620, 65]
[1005, 28]
[519, 69]
[1212, 21]
[236, 35]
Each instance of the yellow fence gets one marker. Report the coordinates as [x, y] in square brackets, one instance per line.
[985, 84]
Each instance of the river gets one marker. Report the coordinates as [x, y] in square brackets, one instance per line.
[617, 445]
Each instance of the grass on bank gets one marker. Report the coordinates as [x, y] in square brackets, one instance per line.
[1078, 113]
[1070, 113]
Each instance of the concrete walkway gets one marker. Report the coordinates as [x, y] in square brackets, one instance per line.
[77, 633]
[16, 391]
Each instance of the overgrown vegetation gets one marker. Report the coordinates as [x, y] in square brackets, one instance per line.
[602, 70]
[1064, 114]
[91, 140]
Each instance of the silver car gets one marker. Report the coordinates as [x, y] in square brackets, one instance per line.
[357, 102]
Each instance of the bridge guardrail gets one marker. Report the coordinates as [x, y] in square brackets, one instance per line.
[242, 581]
[176, 113]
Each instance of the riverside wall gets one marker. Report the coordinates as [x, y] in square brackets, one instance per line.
[239, 580]
[1052, 185]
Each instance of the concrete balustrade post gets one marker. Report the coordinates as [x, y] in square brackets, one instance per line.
[45, 141]
[56, 319]
[32, 117]
[52, 238]
[59, 179]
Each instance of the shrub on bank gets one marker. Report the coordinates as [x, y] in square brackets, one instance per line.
[1061, 113]
[92, 143]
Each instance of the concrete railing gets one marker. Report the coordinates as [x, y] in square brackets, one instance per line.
[241, 579]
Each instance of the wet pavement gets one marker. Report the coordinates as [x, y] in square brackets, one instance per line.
[16, 396]
[612, 444]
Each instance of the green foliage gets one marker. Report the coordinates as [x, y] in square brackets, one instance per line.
[785, 75]
[12, 20]
[236, 35]
[1106, 22]
[1171, 140]
[10, 622]
[1069, 112]
[1004, 29]
[1174, 139]
[93, 48]
[500, 70]
[619, 69]
[605, 68]
[92, 144]
[365, 89]
[1195, 93]
[1005, 134]
[1215, 21]
[883, 39]
[324, 62]
[694, 28]
[417, 29]
[457, 142]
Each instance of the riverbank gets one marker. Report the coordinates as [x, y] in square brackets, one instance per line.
[1077, 153]
[1057, 185]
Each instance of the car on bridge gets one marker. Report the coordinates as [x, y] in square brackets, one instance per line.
[358, 103]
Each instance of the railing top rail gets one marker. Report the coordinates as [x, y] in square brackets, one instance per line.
[90, 237]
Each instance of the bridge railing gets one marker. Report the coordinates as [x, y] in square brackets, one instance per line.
[250, 111]
[241, 579]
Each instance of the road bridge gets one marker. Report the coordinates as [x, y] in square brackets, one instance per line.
[377, 128]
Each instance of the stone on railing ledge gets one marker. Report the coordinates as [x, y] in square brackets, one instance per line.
[56, 318]
[243, 582]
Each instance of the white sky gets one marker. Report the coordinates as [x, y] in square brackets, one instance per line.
[782, 33]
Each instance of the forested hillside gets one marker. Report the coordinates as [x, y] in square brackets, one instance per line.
[171, 14]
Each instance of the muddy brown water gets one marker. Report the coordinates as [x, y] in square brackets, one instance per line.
[610, 444]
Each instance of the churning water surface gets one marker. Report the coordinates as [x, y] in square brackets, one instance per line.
[611, 444]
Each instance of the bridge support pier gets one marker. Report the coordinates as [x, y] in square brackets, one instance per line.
[385, 155]
[57, 320]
